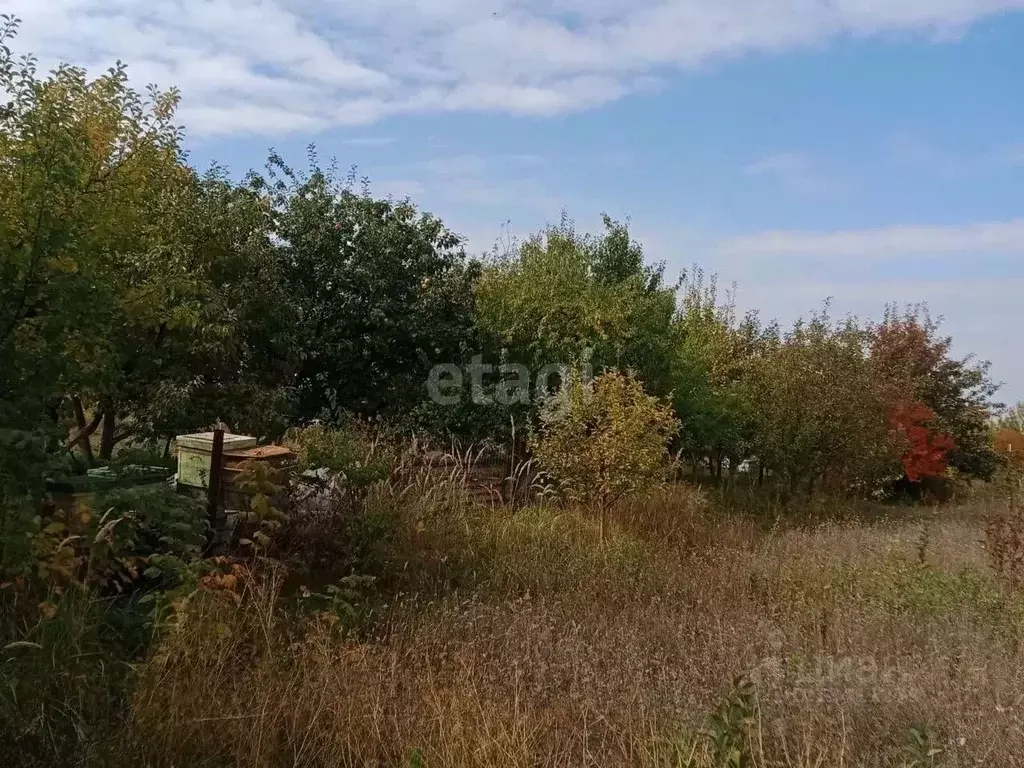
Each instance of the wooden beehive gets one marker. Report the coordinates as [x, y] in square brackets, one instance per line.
[195, 452]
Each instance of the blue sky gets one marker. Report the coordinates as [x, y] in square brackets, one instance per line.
[865, 150]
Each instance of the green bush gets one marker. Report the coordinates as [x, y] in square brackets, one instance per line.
[65, 670]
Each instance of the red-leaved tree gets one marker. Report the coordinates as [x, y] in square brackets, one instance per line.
[914, 358]
[927, 449]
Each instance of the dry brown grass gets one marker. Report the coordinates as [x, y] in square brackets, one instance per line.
[513, 639]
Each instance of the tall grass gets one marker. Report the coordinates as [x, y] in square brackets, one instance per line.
[507, 635]
[516, 639]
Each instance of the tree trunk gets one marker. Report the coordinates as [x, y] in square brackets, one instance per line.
[760, 473]
[108, 432]
[83, 431]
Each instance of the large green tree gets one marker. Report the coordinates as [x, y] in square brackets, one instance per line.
[379, 293]
[710, 363]
[562, 298]
[224, 354]
[90, 173]
[136, 298]
[820, 412]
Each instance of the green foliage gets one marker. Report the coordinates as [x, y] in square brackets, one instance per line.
[137, 537]
[63, 674]
[351, 454]
[378, 292]
[727, 740]
[731, 727]
[603, 441]
[262, 486]
[921, 591]
[145, 295]
[338, 603]
[820, 413]
[921, 749]
[90, 186]
[711, 366]
[563, 298]
[1012, 418]
[24, 462]
[226, 356]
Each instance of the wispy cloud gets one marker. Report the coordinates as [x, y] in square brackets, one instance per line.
[1015, 155]
[981, 313]
[781, 163]
[399, 188]
[971, 274]
[993, 237]
[485, 191]
[279, 66]
[918, 154]
[793, 170]
[369, 141]
[497, 181]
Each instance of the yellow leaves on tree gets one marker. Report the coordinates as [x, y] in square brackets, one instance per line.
[1009, 445]
[604, 440]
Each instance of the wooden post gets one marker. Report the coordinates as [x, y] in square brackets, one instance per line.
[83, 431]
[213, 486]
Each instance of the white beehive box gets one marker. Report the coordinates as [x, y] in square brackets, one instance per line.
[194, 452]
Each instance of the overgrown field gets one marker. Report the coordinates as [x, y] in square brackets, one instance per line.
[512, 637]
[857, 605]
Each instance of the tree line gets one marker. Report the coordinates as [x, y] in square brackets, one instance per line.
[141, 299]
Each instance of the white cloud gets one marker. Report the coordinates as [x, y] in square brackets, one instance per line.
[495, 183]
[369, 141]
[980, 313]
[274, 66]
[976, 283]
[782, 162]
[399, 188]
[793, 170]
[918, 154]
[993, 237]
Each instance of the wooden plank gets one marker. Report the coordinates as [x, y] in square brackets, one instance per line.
[213, 489]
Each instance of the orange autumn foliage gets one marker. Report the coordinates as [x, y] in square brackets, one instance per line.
[1009, 443]
[226, 578]
[927, 449]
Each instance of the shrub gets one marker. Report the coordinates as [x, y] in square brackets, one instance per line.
[604, 441]
[1004, 532]
[335, 519]
[131, 538]
[353, 457]
[64, 670]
